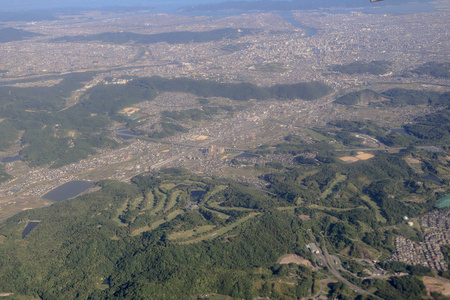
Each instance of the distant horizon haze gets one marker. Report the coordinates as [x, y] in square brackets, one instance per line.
[27, 5]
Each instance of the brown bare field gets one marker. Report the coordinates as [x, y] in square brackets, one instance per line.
[411, 160]
[364, 156]
[202, 137]
[360, 156]
[439, 285]
[129, 110]
[305, 217]
[2, 239]
[349, 159]
[294, 259]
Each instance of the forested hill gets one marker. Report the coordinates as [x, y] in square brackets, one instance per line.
[11, 34]
[179, 37]
[376, 67]
[176, 235]
[151, 240]
[39, 111]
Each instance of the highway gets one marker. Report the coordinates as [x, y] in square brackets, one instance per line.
[328, 260]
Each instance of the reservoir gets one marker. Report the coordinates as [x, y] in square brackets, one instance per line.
[30, 226]
[68, 190]
[10, 159]
[398, 130]
[432, 177]
[430, 148]
[126, 134]
[195, 195]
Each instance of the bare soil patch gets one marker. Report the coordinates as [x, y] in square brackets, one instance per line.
[363, 252]
[411, 160]
[305, 217]
[294, 259]
[364, 156]
[439, 285]
[349, 159]
[360, 156]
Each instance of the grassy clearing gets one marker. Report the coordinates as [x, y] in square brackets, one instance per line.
[375, 207]
[335, 208]
[219, 214]
[222, 230]
[219, 297]
[168, 218]
[217, 189]
[317, 135]
[150, 199]
[135, 202]
[120, 211]
[167, 186]
[174, 214]
[172, 200]
[188, 233]
[156, 224]
[339, 178]
[140, 230]
[216, 205]
[161, 201]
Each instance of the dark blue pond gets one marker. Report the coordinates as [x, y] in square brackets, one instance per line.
[30, 226]
[68, 190]
[195, 195]
[181, 186]
[398, 130]
[126, 134]
[431, 149]
[432, 177]
[10, 159]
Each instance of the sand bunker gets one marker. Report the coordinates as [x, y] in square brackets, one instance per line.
[294, 259]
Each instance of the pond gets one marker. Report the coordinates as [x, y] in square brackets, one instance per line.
[181, 186]
[398, 130]
[195, 195]
[68, 190]
[430, 148]
[10, 159]
[126, 134]
[30, 226]
[432, 177]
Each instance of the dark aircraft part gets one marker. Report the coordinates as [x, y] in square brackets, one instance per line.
[375, 0]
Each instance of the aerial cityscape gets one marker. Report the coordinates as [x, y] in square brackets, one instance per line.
[226, 151]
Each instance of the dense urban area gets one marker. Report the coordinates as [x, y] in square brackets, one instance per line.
[325, 131]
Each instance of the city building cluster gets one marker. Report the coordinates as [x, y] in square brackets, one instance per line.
[427, 253]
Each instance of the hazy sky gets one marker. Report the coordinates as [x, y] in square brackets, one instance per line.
[46, 4]
[11, 5]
